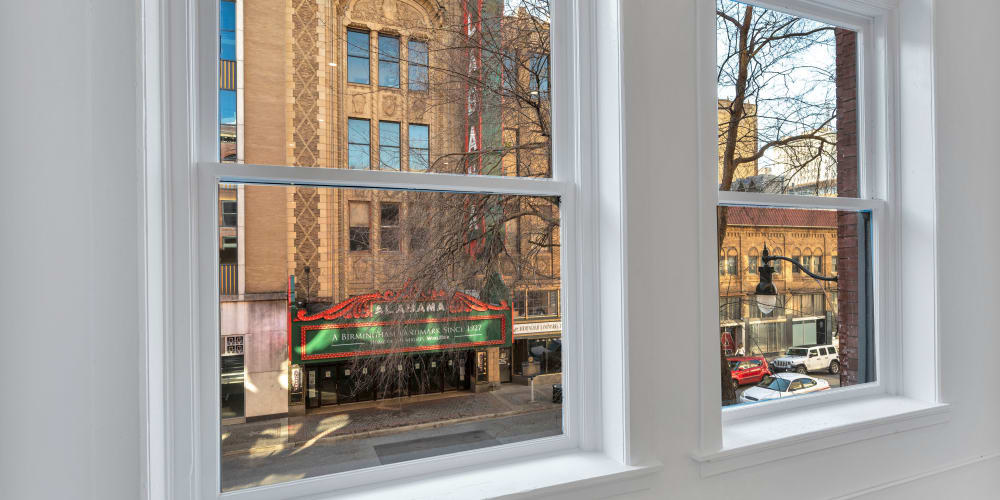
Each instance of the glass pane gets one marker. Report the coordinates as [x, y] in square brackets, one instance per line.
[357, 70]
[417, 55]
[401, 318]
[777, 315]
[469, 83]
[787, 103]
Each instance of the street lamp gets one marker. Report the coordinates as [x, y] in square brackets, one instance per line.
[766, 294]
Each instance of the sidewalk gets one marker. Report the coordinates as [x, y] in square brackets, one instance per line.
[383, 417]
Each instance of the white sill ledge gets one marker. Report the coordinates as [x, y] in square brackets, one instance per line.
[766, 438]
[534, 477]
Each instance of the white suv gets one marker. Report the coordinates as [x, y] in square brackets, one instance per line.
[808, 358]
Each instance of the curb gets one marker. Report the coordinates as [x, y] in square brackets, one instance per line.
[383, 432]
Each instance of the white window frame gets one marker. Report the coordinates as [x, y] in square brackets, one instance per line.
[181, 361]
[899, 222]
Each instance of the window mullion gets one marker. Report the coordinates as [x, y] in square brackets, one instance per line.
[335, 177]
[797, 201]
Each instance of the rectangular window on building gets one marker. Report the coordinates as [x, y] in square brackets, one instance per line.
[358, 48]
[538, 83]
[510, 71]
[389, 226]
[360, 229]
[388, 61]
[229, 213]
[731, 265]
[227, 30]
[418, 239]
[227, 251]
[519, 303]
[419, 142]
[417, 59]
[752, 264]
[388, 145]
[358, 144]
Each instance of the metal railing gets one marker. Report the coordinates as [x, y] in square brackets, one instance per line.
[228, 279]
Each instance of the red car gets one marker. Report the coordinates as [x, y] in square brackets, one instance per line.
[748, 369]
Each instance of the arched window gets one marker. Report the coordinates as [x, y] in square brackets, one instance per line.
[776, 264]
[797, 257]
[818, 261]
[732, 262]
[753, 261]
[807, 259]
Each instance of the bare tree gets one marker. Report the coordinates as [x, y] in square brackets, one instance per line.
[479, 244]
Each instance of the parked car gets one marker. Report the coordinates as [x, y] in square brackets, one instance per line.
[808, 358]
[783, 385]
[748, 369]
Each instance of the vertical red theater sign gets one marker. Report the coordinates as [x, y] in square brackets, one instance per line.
[482, 112]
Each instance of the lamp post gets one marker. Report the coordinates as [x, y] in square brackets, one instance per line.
[766, 294]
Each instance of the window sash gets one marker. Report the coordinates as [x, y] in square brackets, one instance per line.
[417, 65]
[388, 61]
[358, 57]
[874, 196]
[201, 437]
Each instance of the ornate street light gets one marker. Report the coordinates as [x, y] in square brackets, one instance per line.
[766, 294]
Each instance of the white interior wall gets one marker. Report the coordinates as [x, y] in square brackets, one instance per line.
[69, 374]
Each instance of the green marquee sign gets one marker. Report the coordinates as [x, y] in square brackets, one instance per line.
[397, 321]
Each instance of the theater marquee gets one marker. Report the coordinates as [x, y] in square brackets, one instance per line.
[397, 321]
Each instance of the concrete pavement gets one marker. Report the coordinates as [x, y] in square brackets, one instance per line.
[323, 456]
[361, 420]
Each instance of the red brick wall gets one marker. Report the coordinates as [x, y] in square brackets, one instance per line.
[847, 185]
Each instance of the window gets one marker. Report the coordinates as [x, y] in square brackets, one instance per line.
[388, 61]
[227, 30]
[227, 252]
[360, 230]
[388, 145]
[418, 239]
[358, 144]
[420, 154]
[779, 127]
[752, 262]
[417, 65]
[530, 303]
[358, 70]
[538, 84]
[510, 73]
[389, 227]
[229, 213]
[310, 236]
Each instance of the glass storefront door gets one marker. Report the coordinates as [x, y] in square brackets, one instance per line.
[435, 373]
[312, 391]
[232, 394]
[505, 375]
[451, 371]
[327, 385]
[345, 384]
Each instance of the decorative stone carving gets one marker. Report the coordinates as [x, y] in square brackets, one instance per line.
[359, 103]
[389, 105]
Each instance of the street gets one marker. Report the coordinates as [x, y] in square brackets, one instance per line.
[320, 457]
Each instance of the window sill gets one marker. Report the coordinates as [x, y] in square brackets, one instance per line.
[537, 477]
[752, 441]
